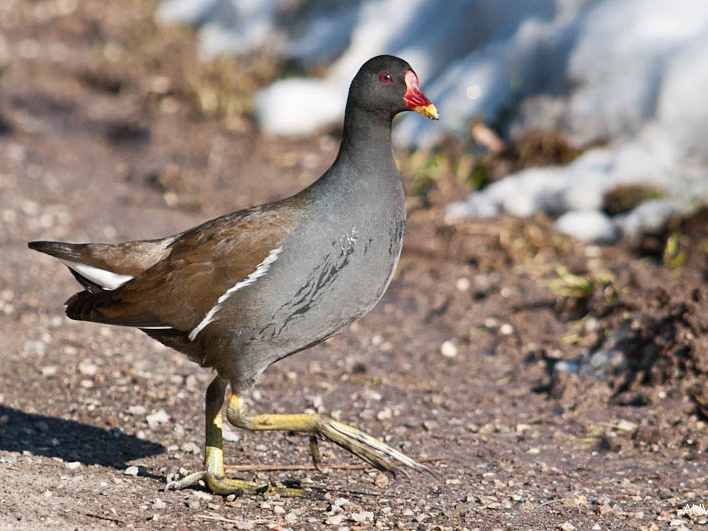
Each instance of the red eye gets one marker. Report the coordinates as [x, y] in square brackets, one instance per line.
[385, 77]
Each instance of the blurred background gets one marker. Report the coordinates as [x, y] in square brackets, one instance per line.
[613, 91]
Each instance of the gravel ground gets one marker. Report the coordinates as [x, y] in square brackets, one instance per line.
[111, 130]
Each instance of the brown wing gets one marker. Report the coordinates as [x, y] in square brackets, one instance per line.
[202, 264]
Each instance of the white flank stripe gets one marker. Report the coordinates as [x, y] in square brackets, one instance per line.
[104, 278]
[260, 270]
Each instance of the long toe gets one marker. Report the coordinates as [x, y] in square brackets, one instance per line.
[375, 452]
[225, 486]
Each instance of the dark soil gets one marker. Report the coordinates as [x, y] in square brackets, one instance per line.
[482, 356]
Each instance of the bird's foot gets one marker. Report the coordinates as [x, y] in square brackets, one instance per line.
[225, 486]
[370, 449]
[375, 452]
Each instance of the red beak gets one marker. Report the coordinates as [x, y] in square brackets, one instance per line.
[416, 100]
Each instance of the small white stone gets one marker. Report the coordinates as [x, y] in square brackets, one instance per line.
[363, 516]
[463, 284]
[491, 322]
[48, 371]
[384, 414]
[37, 348]
[448, 349]
[191, 448]
[73, 465]
[193, 504]
[158, 504]
[87, 368]
[335, 520]
[506, 329]
[159, 417]
[370, 394]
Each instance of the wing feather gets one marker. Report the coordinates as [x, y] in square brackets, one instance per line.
[200, 266]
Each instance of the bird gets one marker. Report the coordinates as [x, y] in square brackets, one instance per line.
[246, 289]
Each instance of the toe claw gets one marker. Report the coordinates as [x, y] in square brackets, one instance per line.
[315, 454]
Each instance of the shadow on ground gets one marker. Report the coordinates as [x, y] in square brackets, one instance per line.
[70, 440]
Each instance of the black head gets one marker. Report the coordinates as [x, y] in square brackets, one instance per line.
[388, 85]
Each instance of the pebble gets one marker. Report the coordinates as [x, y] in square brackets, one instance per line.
[132, 471]
[38, 348]
[430, 425]
[71, 350]
[421, 517]
[158, 504]
[491, 322]
[384, 414]
[506, 329]
[87, 368]
[157, 418]
[463, 284]
[193, 504]
[381, 480]
[230, 434]
[191, 448]
[73, 465]
[533, 451]
[363, 516]
[448, 349]
[335, 520]
[370, 394]
[49, 370]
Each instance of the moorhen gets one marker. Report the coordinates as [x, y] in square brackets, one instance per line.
[247, 289]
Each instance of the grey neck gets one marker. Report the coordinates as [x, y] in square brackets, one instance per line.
[366, 140]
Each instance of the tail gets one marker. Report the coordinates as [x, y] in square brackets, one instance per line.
[81, 260]
[101, 269]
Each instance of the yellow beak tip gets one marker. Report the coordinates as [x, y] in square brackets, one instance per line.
[429, 111]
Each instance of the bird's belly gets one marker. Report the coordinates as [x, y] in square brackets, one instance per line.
[306, 298]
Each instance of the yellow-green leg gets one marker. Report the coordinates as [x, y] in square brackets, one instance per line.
[375, 452]
[213, 474]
